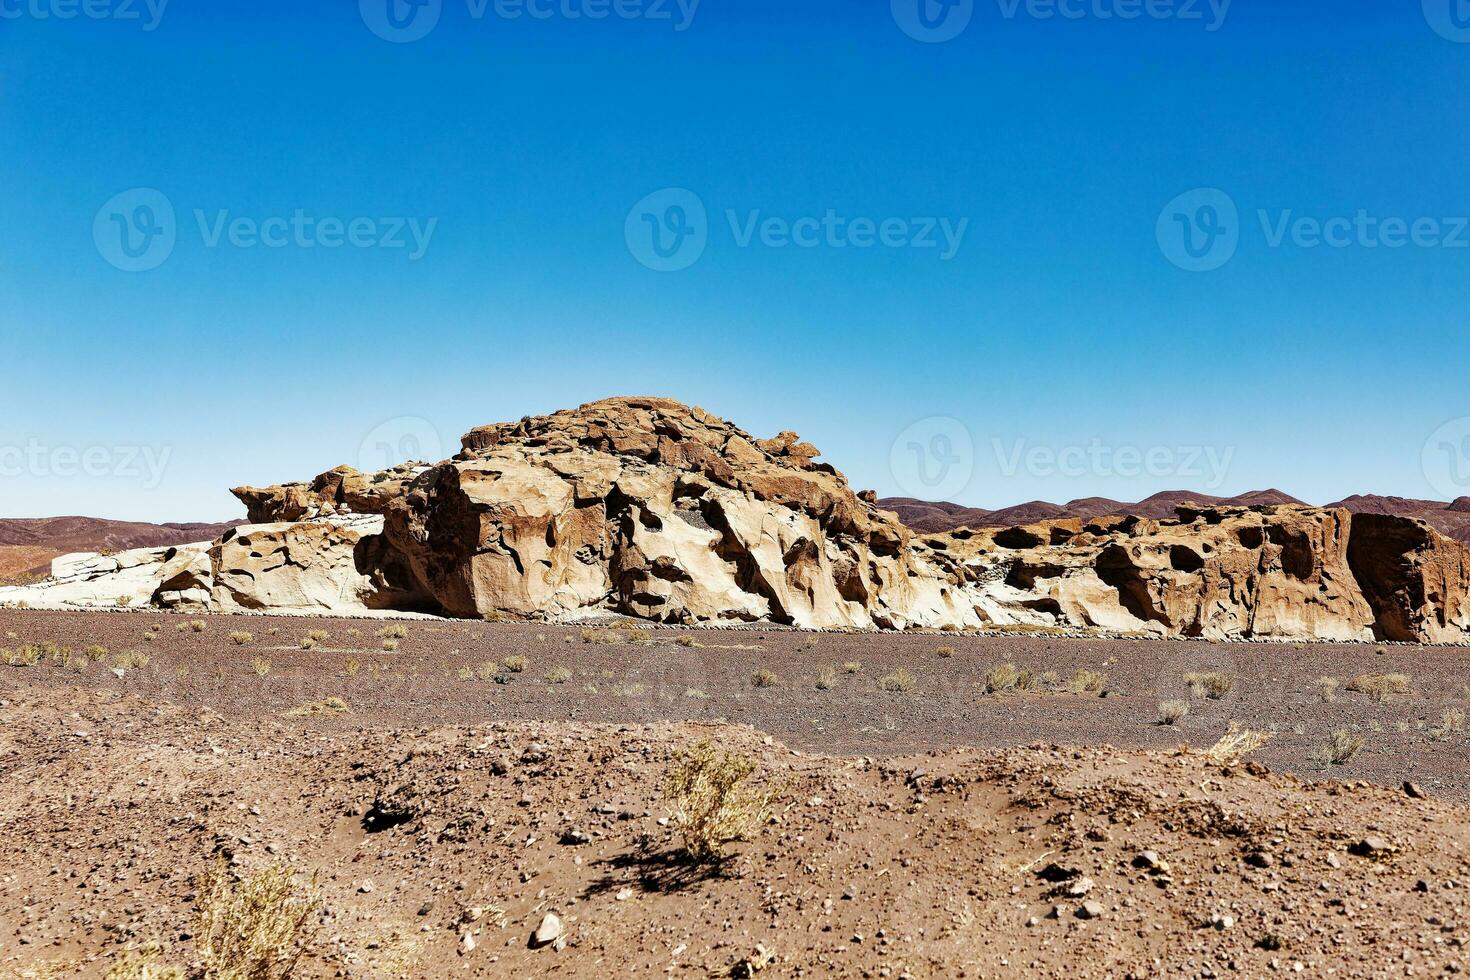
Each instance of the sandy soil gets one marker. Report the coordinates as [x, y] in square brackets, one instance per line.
[960, 864]
[442, 808]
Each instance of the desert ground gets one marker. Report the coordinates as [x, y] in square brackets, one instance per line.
[447, 795]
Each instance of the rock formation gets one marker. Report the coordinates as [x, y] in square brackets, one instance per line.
[647, 507]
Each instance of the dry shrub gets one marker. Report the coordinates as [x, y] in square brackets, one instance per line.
[618, 634]
[26, 656]
[900, 681]
[1212, 684]
[1340, 746]
[1008, 678]
[1236, 744]
[258, 929]
[351, 665]
[390, 646]
[764, 678]
[945, 652]
[1171, 712]
[1087, 682]
[393, 631]
[96, 652]
[712, 801]
[197, 625]
[260, 666]
[558, 675]
[851, 667]
[327, 707]
[487, 670]
[318, 635]
[240, 638]
[1380, 687]
[1451, 721]
[686, 641]
[516, 663]
[131, 660]
[827, 680]
[307, 643]
[1327, 688]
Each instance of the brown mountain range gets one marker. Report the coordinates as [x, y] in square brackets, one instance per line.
[27, 545]
[1451, 519]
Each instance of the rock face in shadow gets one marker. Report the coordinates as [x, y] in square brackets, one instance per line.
[1417, 583]
[650, 508]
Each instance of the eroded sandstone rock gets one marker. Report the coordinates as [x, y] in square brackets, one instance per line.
[647, 507]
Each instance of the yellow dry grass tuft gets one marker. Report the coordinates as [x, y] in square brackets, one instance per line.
[1380, 687]
[901, 681]
[1340, 747]
[325, 708]
[712, 801]
[1007, 678]
[1236, 744]
[1212, 684]
[258, 928]
[764, 678]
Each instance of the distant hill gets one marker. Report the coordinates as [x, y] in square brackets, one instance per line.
[27, 545]
[1451, 519]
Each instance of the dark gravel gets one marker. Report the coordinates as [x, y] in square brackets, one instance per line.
[441, 674]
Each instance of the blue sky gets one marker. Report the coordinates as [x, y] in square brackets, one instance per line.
[1055, 341]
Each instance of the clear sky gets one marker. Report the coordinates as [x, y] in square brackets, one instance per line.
[247, 241]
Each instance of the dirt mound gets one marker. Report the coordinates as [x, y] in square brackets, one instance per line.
[1044, 861]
